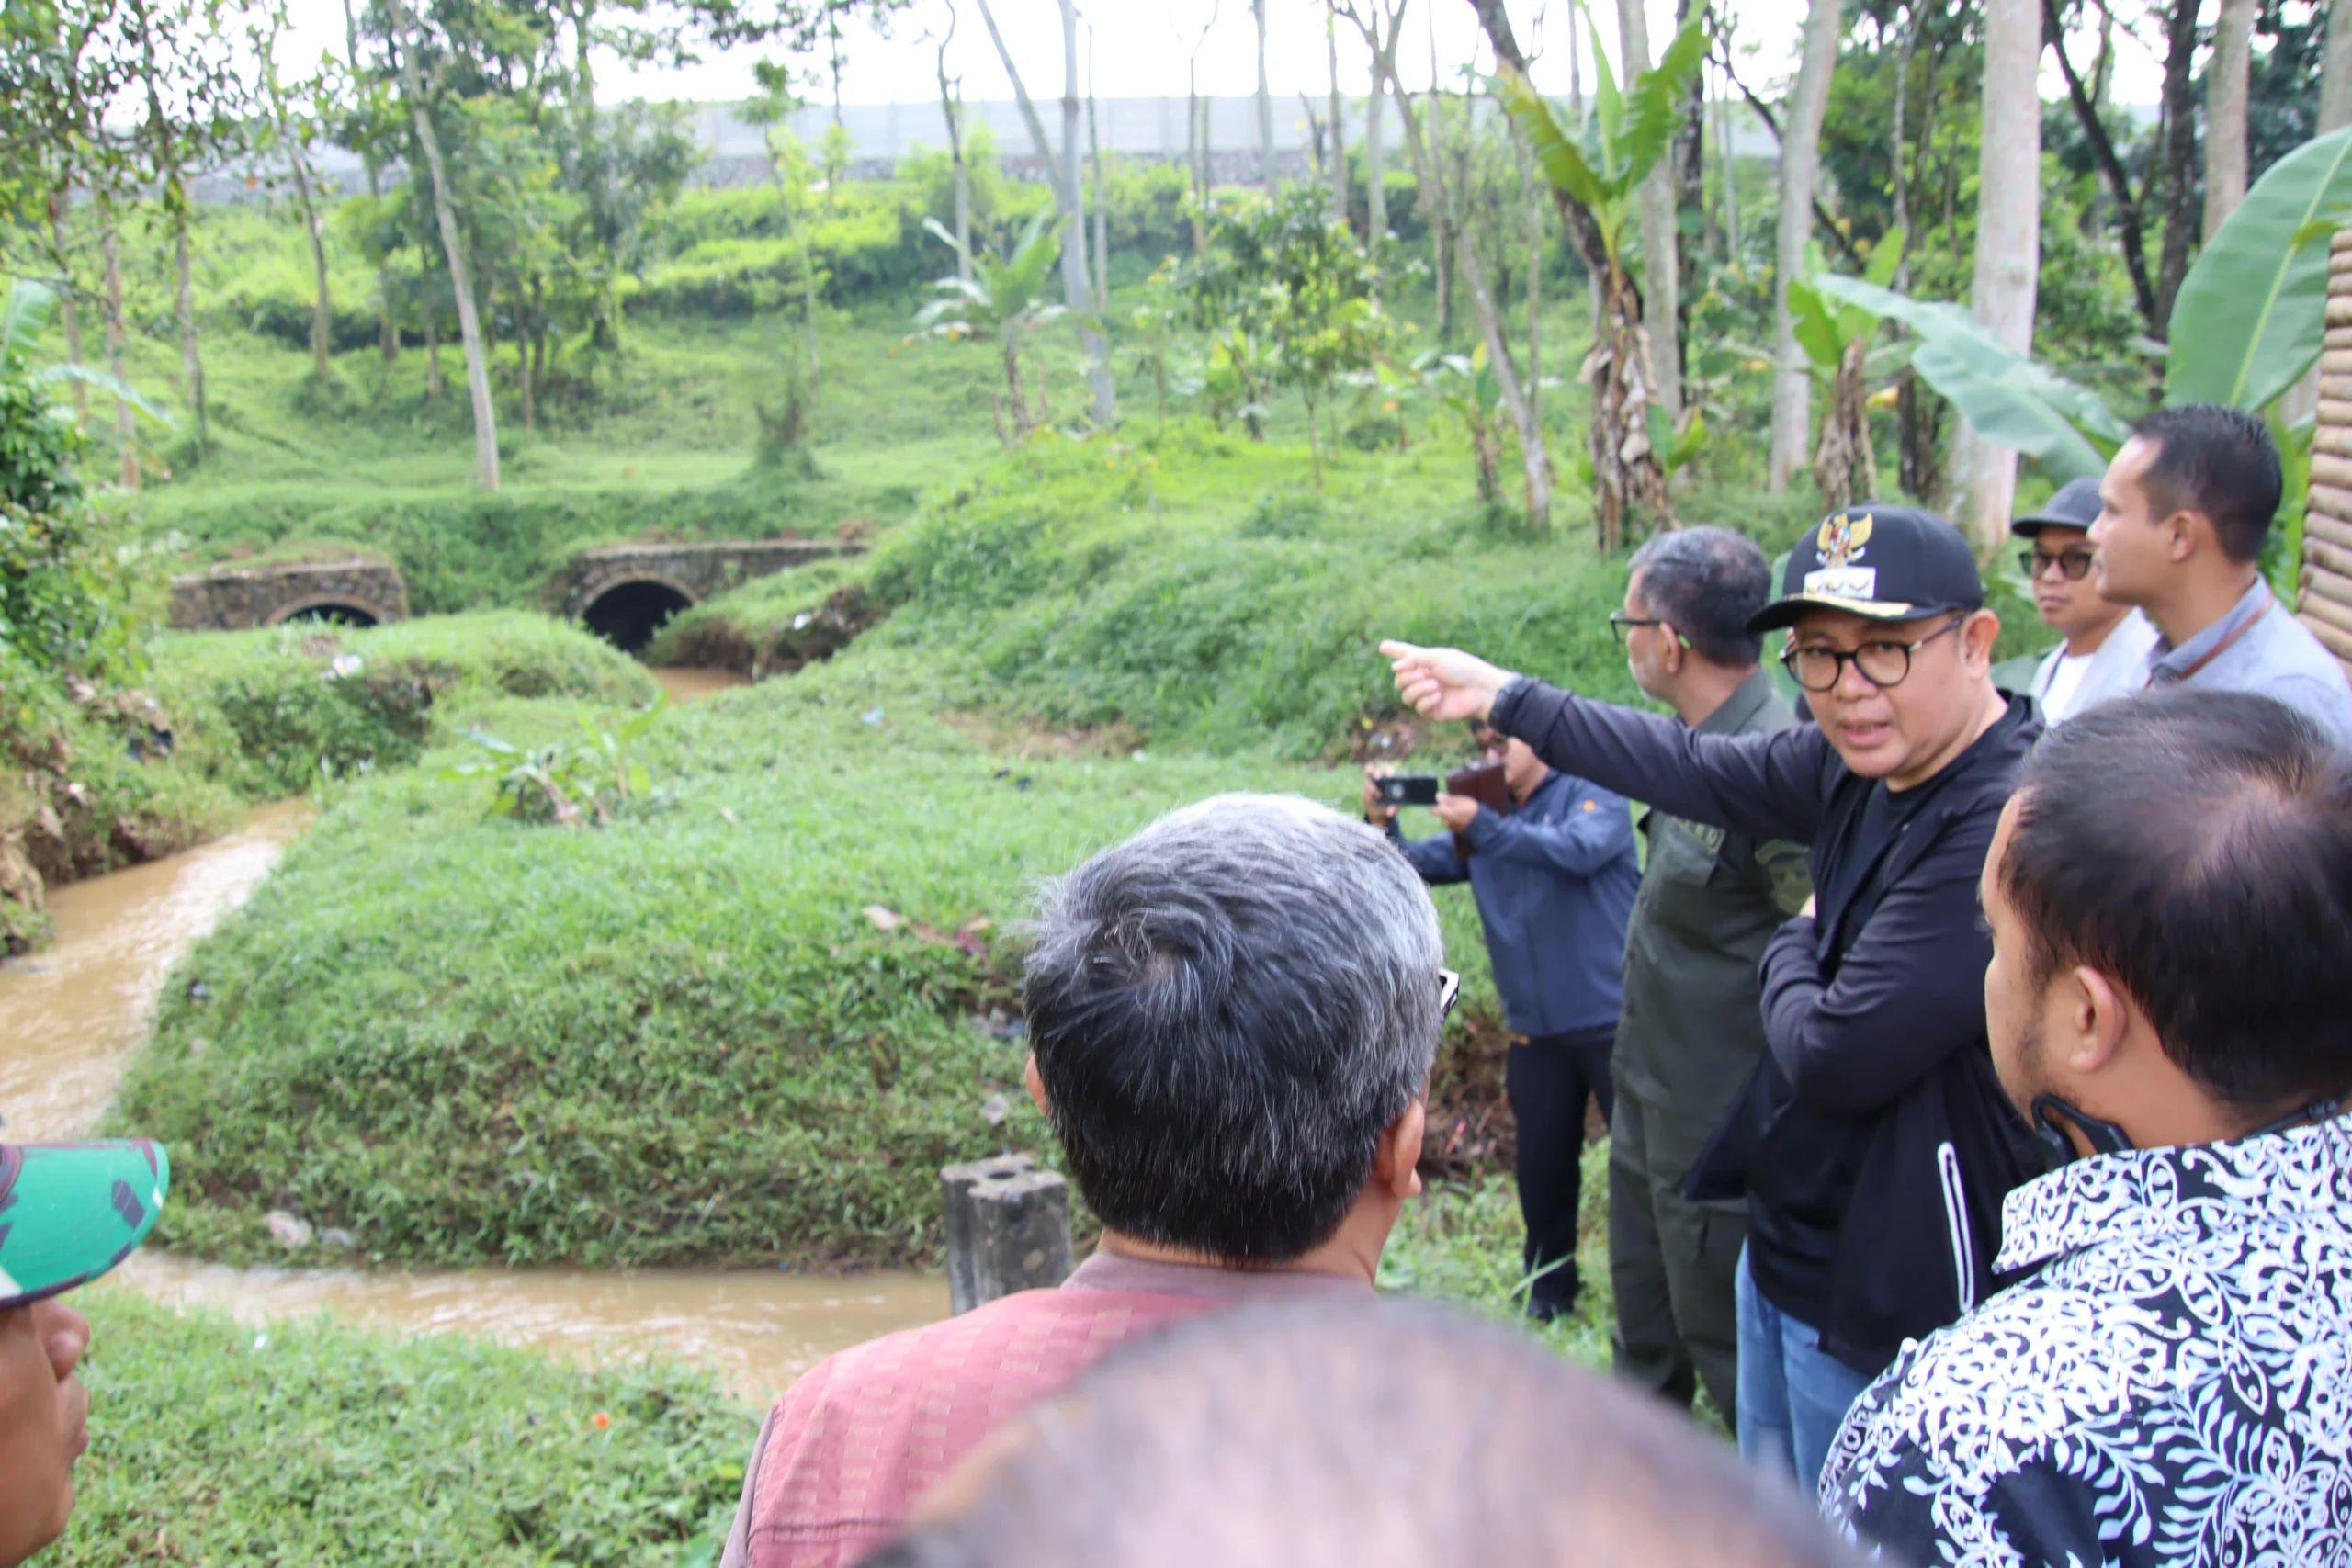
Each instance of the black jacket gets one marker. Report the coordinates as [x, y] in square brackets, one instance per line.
[1874, 1144]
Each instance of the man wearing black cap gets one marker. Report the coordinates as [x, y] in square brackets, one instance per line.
[1874, 1144]
[2106, 652]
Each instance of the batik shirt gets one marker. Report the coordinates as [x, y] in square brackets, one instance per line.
[2172, 1385]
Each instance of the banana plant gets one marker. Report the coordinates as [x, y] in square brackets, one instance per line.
[1835, 337]
[2247, 324]
[30, 304]
[1004, 299]
[1596, 185]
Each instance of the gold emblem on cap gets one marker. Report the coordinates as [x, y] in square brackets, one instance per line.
[1842, 536]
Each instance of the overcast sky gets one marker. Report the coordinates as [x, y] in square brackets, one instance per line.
[1145, 45]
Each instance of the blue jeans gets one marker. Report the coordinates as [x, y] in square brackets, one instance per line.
[1793, 1394]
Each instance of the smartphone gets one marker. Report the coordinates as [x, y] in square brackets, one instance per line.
[1408, 789]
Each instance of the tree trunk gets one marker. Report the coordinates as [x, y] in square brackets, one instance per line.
[453, 246]
[191, 355]
[1661, 266]
[1265, 105]
[1196, 153]
[1438, 199]
[1730, 177]
[61, 202]
[110, 251]
[2335, 70]
[323, 309]
[1338, 167]
[1800, 171]
[2180, 156]
[1074, 271]
[1062, 174]
[2008, 241]
[1094, 170]
[388, 331]
[1844, 467]
[953, 114]
[522, 363]
[2225, 87]
[1374, 166]
[433, 384]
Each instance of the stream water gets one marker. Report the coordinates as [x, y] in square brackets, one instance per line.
[71, 1016]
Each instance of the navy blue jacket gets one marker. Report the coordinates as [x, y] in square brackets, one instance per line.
[1874, 1144]
[1555, 882]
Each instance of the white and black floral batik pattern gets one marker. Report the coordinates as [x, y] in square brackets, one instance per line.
[2173, 1387]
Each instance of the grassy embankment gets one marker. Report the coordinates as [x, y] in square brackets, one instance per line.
[681, 1038]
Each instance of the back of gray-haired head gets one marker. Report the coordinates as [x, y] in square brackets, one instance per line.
[1707, 583]
[1227, 1009]
[1361, 1435]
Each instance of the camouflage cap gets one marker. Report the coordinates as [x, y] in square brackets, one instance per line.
[71, 1212]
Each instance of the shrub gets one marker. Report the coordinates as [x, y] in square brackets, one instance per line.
[317, 1444]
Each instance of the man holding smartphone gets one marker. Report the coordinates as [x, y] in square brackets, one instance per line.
[1554, 878]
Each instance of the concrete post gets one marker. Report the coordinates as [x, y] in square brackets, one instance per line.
[2327, 605]
[1007, 1229]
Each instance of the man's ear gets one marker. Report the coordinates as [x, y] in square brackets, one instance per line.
[1036, 1088]
[1977, 636]
[2098, 1015]
[1396, 1164]
[1675, 648]
[2186, 533]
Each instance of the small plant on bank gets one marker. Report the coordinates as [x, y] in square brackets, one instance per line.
[569, 786]
[1005, 301]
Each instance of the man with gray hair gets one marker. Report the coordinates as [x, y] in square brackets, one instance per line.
[1693, 1029]
[1231, 1020]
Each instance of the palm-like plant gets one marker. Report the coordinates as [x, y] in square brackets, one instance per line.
[1005, 300]
[30, 304]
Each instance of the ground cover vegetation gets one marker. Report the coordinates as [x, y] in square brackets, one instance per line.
[213, 1441]
[559, 976]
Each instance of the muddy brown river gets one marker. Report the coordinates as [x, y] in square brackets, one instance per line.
[71, 1015]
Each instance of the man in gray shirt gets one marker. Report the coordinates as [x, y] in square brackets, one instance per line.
[2185, 508]
[1692, 1028]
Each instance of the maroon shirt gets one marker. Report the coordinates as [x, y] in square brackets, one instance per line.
[850, 1448]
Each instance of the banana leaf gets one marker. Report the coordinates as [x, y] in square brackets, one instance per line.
[2249, 317]
[2010, 400]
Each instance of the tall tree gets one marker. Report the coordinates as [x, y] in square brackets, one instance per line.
[1338, 166]
[1197, 135]
[1661, 262]
[291, 129]
[951, 108]
[1800, 172]
[1094, 175]
[2225, 83]
[2178, 114]
[1070, 199]
[1265, 104]
[1440, 192]
[2008, 241]
[2335, 70]
[1380, 24]
[404, 42]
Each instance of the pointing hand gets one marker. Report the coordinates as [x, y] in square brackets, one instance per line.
[1444, 683]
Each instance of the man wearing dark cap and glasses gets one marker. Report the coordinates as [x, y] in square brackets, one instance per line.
[68, 1213]
[1874, 1146]
[2106, 650]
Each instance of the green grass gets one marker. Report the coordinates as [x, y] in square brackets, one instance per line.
[313, 1444]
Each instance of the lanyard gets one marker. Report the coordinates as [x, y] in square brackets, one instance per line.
[2210, 654]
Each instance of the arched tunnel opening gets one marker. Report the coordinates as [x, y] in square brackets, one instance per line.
[336, 614]
[628, 614]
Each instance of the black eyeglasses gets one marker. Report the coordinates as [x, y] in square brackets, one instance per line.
[1882, 664]
[1449, 991]
[1624, 625]
[2071, 564]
